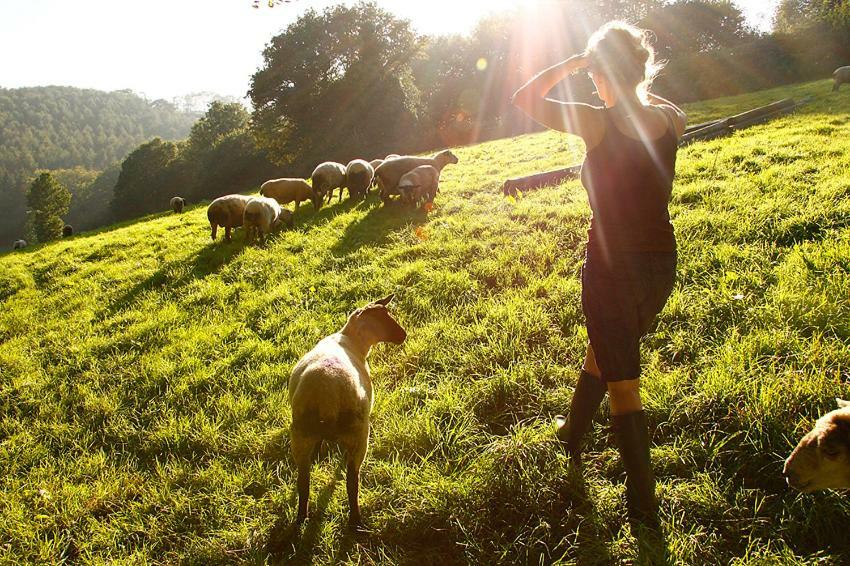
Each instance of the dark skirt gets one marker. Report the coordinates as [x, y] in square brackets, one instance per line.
[621, 294]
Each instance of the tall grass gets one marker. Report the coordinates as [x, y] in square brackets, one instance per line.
[143, 370]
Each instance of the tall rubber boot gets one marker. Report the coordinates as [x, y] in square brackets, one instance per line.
[632, 436]
[571, 430]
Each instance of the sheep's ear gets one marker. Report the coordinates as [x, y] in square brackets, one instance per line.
[386, 300]
[842, 404]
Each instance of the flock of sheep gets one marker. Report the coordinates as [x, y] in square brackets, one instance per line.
[415, 180]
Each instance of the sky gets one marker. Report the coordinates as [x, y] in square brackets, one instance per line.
[169, 48]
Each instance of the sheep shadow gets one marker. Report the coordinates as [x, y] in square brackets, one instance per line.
[205, 261]
[375, 227]
[289, 543]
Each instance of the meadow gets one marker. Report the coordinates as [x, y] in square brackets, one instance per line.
[143, 370]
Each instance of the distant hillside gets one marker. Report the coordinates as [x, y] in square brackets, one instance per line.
[58, 127]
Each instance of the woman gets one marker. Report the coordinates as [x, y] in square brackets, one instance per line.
[630, 262]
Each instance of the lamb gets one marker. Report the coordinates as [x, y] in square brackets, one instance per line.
[331, 396]
[359, 175]
[326, 177]
[177, 204]
[391, 170]
[285, 191]
[227, 211]
[19, 244]
[839, 76]
[262, 216]
[419, 185]
[821, 460]
[67, 231]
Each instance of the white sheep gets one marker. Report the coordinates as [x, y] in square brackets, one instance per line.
[19, 244]
[391, 170]
[263, 216]
[227, 211]
[177, 204]
[286, 190]
[821, 459]
[326, 177]
[331, 396]
[420, 185]
[840, 76]
[358, 178]
[375, 163]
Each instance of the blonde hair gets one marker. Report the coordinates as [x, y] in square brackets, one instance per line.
[623, 53]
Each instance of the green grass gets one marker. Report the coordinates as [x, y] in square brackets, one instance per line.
[143, 370]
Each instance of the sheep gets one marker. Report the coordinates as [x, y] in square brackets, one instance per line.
[227, 211]
[67, 231]
[330, 392]
[19, 244]
[839, 76]
[375, 163]
[326, 177]
[285, 191]
[262, 216]
[177, 204]
[821, 460]
[419, 185]
[391, 170]
[358, 176]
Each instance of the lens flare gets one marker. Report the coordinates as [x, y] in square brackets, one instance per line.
[481, 64]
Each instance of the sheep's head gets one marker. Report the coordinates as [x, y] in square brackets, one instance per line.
[317, 195]
[375, 324]
[445, 157]
[821, 459]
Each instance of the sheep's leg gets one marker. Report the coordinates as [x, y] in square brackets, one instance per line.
[356, 453]
[227, 233]
[297, 202]
[302, 452]
[214, 228]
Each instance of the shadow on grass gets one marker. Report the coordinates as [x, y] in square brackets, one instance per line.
[374, 228]
[207, 260]
[289, 543]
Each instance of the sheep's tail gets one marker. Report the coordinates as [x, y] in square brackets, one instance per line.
[320, 416]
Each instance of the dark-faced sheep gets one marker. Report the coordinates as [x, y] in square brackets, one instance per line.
[228, 212]
[821, 459]
[420, 185]
[285, 191]
[326, 177]
[391, 170]
[67, 231]
[19, 244]
[358, 178]
[330, 391]
[840, 76]
[177, 204]
[263, 216]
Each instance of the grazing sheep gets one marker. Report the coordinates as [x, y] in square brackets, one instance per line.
[839, 76]
[67, 231]
[391, 170]
[419, 186]
[177, 204]
[19, 244]
[375, 163]
[227, 211]
[822, 458]
[326, 177]
[262, 216]
[331, 396]
[358, 177]
[285, 191]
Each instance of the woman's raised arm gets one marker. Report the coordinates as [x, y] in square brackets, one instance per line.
[573, 117]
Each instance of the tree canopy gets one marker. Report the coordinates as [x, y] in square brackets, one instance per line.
[47, 203]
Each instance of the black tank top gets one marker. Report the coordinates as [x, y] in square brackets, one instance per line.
[629, 182]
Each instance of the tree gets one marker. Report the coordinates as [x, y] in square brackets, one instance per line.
[144, 184]
[794, 15]
[336, 85]
[697, 26]
[220, 119]
[47, 202]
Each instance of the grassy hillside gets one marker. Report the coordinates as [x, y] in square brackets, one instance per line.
[143, 370]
